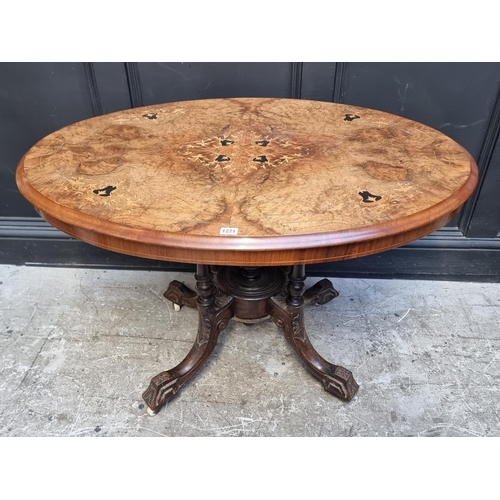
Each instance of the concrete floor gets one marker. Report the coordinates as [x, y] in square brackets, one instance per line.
[79, 346]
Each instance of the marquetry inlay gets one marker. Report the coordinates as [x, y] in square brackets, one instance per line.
[247, 167]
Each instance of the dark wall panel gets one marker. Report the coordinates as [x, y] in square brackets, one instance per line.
[318, 81]
[165, 82]
[486, 220]
[112, 86]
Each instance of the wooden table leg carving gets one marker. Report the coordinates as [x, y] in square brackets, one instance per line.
[335, 379]
[181, 295]
[320, 293]
[249, 294]
[214, 316]
[286, 309]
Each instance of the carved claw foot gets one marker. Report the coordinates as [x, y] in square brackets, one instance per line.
[320, 293]
[339, 382]
[215, 311]
[180, 295]
[166, 385]
[335, 379]
[163, 388]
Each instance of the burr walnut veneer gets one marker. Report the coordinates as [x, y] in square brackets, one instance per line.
[250, 190]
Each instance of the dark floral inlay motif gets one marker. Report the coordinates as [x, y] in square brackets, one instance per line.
[230, 157]
[104, 191]
[368, 197]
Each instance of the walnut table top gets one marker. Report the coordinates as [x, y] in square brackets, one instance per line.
[247, 182]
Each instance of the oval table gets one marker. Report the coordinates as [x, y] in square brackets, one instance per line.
[250, 190]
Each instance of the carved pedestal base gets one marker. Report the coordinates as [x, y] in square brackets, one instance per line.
[249, 295]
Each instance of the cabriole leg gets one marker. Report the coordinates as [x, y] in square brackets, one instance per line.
[213, 318]
[287, 313]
